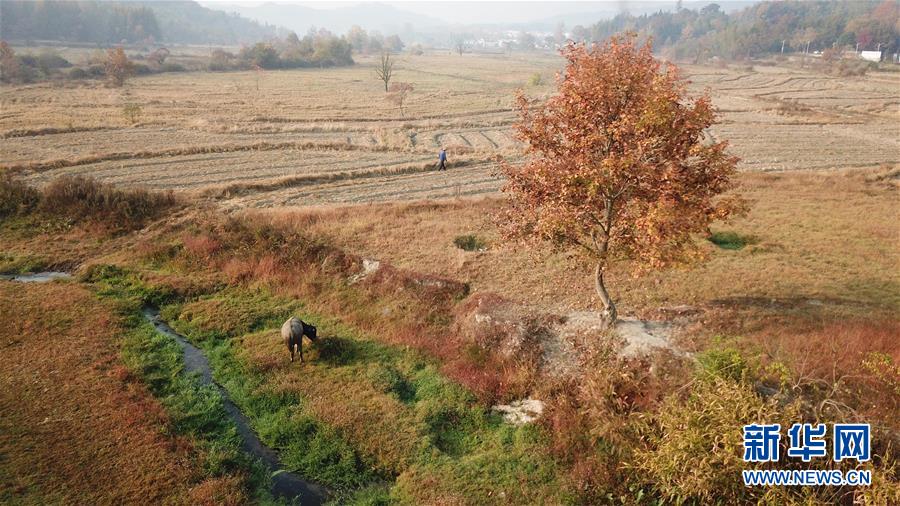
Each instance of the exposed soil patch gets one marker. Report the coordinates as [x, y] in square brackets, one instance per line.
[522, 411]
[642, 337]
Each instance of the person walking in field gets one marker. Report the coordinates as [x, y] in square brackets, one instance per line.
[442, 160]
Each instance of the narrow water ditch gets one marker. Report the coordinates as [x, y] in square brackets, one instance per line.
[35, 277]
[285, 484]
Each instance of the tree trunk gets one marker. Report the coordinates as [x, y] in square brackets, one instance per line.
[608, 306]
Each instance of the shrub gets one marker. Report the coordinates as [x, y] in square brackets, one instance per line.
[852, 68]
[96, 70]
[536, 79]
[10, 65]
[83, 198]
[221, 60]
[50, 60]
[132, 112]
[16, 197]
[172, 67]
[731, 240]
[727, 364]
[201, 246]
[694, 451]
[117, 67]
[78, 73]
[140, 69]
[261, 54]
[470, 242]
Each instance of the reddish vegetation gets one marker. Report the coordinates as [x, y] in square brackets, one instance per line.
[843, 360]
[77, 428]
[403, 307]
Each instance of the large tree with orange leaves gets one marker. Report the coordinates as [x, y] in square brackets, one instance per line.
[619, 162]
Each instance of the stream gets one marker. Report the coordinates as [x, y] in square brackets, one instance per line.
[285, 484]
[35, 277]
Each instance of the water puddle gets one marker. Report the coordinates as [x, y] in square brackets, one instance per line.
[285, 484]
[35, 277]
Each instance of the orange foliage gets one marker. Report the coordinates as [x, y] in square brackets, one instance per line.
[118, 67]
[619, 161]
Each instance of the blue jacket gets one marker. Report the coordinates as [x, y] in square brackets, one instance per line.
[443, 156]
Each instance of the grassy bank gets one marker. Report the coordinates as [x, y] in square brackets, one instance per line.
[95, 412]
[393, 402]
[196, 410]
[367, 419]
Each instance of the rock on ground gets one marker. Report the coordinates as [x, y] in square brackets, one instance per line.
[521, 412]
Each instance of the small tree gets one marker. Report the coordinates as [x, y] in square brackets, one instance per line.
[460, 45]
[618, 162]
[398, 93]
[385, 70]
[158, 56]
[118, 67]
[393, 43]
[10, 69]
[132, 112]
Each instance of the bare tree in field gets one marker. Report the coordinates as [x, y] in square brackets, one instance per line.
[460, 46]
[619, 163]
[385, 70]
[398, 93]
[158, 56]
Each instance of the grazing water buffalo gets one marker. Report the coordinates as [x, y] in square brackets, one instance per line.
[293, 331]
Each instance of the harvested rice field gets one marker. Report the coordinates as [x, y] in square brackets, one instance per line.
[318, 136]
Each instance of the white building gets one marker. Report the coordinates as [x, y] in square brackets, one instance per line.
[870, 55]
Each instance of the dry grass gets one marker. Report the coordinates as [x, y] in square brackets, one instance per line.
[821, 270]
[76, 426]
[78, 198]
[309, 255]
[828, 237]
[405, 308]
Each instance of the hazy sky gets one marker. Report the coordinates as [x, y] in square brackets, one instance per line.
[467, 12]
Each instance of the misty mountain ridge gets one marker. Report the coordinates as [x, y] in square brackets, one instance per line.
[300, 18]
[388, 19]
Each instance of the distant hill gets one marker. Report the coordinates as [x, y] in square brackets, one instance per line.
[762, 28]
[97, 22]
[634, 8]
[299, 18]
[190, 22]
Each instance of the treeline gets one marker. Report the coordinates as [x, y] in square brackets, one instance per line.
[48, 64]
[101, 23]
[363, 42]
[190, 23]
[319, 48]
[761, 29]
[91, 21]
